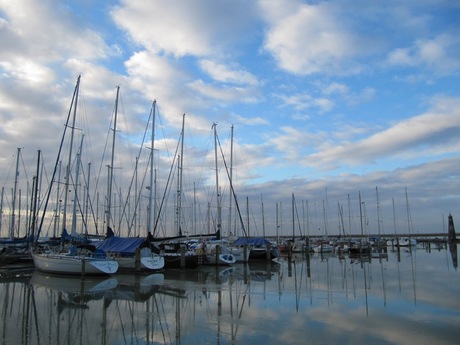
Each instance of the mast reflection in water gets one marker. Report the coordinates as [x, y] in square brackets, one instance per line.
[382, 298]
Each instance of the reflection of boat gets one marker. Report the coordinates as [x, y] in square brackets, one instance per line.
[83, 285]
[74, 292]
[139, 288]
[80, 260]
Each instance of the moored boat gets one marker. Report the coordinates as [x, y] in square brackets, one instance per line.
[78, 261]
[132, 253]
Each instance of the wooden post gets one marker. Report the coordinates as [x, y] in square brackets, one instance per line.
[268, 251]
[217, 253]
[137, 260]
[83, 267]
[182, 256]
[245, 253]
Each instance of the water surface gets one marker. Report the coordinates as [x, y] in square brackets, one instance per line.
[408, 298]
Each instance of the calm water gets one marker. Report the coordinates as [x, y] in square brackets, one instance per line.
[413, 299]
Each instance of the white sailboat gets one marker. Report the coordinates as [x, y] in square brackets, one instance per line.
[79, 260]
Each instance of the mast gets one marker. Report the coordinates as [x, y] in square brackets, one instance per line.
[34, 210]
[152, 143]
[231, 181]
[109, 191]
[361, 214]
[263, 215]
[1, 208]
[13, 216]
[293, 221]
[75, 197]
[179, 187]
[219, 209]
[57, 210]
[74, 102]
[378, 209]
[87, 198]
[69, 161]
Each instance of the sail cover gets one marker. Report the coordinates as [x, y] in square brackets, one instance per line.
[122, 245]
[255, 241]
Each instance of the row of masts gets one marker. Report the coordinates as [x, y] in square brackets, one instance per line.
[152, 222]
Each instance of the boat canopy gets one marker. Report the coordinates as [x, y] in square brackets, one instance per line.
[255, 241]
[122, 245]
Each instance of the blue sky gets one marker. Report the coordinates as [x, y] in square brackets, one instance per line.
[328, 99]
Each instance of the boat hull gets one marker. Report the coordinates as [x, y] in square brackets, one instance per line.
[74, 265]
[222, 259]
[146, 263]
[175, 260]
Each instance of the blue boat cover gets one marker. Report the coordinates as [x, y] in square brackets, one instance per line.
[255, 241]
[121, 245]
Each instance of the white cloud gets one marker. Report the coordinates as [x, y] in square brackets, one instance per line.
[178, 27]
[440, 54]
[227, 74]
[31, 30]
[302, 101]
[432, 133]
[307, 39]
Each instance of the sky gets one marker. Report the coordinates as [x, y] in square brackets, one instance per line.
[345, 115]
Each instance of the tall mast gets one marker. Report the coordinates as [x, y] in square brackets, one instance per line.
[219, 209]
[378, 209]
[152, 142]
[231, 181]
[69, 161]
[179, 187]
[13, 216]
[75, 197]
[109, 192]
[361, 214]
[1, 208]
[34, 210]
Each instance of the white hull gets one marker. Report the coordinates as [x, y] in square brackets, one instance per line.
[323, 248]
[69, 264]
[153, 262]
[223, 259]
[238, 253]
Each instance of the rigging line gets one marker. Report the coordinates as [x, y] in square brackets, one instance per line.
[298, 219]
[167, 185]
[232, 189]
[48, 195]
[133, 178]
[96, 187]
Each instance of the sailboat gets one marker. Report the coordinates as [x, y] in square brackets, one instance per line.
[15, 249]
[217, 251]
[177, 251]
[77, 260]
[131, 253]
